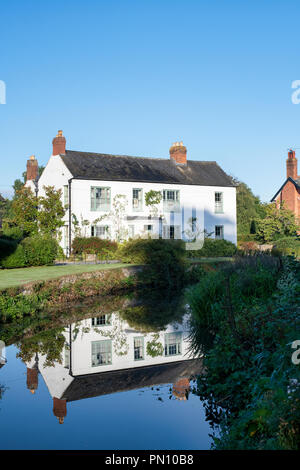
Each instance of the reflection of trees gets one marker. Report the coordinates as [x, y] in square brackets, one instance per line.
[151, 311]
[48, 343]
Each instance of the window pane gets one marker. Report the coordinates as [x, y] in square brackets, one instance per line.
[171, 200]
[137, 199]
[100, 199]
[102, 320]
[218, 202]
[173, 343]
[101, 352]
[138, 348]
[219, 231]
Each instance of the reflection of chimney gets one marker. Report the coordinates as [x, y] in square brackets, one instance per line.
[178, 152]
[32, 169]
[181, 388]
[59, 409]
[291, 165]
[32, 379]
[59, 144]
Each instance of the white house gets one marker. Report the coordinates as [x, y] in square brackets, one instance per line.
[104, 355]
[196, 195]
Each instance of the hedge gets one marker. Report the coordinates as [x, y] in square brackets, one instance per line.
[93, 245]
[213, 248]
[7, 247]
[32, 251]
[165, 260]
[287, 246]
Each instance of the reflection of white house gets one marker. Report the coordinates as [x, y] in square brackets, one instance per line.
[103, 355]
[196, 195]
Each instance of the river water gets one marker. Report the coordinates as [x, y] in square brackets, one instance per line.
[115, 374]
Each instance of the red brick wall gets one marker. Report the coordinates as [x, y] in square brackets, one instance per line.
[290, 195]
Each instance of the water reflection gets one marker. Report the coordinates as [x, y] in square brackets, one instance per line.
[109, 352]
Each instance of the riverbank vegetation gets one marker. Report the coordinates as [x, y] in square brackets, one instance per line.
[245, 317]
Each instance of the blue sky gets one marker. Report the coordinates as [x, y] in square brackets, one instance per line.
[131, 77]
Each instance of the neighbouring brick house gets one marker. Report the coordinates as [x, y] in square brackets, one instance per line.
[289, 193]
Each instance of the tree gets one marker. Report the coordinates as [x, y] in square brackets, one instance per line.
[51, 211]
[249, 209]
[31, 215]
[24, 212]
[279, 222]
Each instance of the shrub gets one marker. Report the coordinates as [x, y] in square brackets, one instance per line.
[287, 246]
[32, 251]
[250, 309]
[40, 250]
[214, 248]
[93, 245]
[248, 246]
[165, 259]
[17, 259]
[15, 233]
[7, 247]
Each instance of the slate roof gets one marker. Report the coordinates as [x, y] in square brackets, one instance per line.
[105, 167]
[105, 383]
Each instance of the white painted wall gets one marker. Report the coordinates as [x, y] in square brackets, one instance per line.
[81, 348]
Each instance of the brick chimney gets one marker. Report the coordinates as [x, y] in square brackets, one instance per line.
[59, 144]
[178, 153]
[32, 169]
[59, 409]
[32, 379]
[181, 388]
[291, 165]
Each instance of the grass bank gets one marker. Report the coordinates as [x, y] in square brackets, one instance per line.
[22, 276]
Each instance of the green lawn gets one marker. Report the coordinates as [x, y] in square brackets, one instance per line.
[210, 260]
[21, 276]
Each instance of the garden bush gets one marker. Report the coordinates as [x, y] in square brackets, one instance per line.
[165, 259]
[17, 259]
[93, 245]
[7, 247]
[40, 250]
[32, 251]
[213, 248]
[288, 246]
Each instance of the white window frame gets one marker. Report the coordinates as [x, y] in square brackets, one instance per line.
[100, 198]
[137, 202]
[171, 200]
[139, 347]
[101, 353]
[221, 235]
[97, 229]
[173, 343]
[219, 199]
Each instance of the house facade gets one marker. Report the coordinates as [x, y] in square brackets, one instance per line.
[106, 195]
[289, 192]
